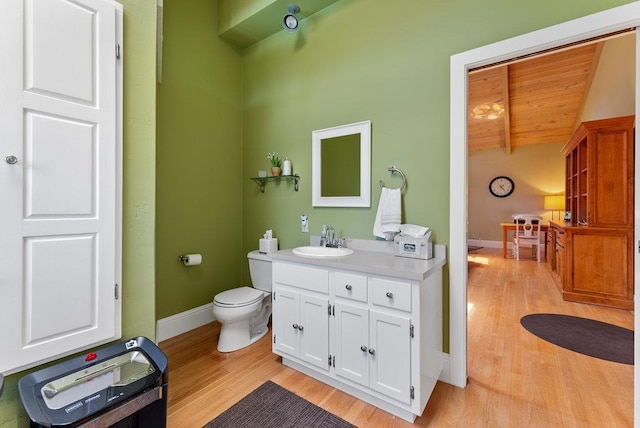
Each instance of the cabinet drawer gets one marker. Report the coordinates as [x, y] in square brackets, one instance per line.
[560, 239]
[301, 276]
[391, 294]
[350, 286]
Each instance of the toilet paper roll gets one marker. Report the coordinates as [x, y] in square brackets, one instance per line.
[192, 259]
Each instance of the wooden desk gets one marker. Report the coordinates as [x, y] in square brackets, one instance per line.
[544, 227]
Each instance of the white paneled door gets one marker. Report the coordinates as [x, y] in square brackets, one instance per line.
[60, 179]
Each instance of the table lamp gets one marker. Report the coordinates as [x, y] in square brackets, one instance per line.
[554, 203]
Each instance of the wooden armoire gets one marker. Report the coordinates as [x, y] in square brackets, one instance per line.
[592, 253]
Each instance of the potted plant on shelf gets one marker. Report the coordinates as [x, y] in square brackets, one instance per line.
[275, 164]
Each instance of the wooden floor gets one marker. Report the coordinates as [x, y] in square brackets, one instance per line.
[515, 379]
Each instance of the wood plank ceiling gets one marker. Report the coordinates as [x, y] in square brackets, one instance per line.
[538, 100]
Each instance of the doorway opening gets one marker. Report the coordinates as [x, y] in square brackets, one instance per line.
[599, 24]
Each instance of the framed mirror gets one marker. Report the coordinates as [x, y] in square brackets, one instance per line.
[341, 166]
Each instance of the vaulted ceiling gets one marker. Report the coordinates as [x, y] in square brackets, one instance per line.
[538, 100]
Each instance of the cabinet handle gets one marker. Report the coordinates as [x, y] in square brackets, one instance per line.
[390, 294]
[348, 287]
[295, 326]
[363, 348]
[372, 351]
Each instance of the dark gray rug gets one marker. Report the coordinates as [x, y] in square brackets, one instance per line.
[589, 337]
[271, 406]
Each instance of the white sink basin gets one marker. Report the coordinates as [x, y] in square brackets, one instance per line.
[322, 252]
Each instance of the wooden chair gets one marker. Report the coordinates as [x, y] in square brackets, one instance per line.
[527, 234]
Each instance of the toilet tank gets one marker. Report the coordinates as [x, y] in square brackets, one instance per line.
[260, 270]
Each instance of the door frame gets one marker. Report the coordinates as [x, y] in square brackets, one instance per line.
[590, 26]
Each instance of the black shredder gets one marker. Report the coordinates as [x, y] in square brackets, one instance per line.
[121, 385]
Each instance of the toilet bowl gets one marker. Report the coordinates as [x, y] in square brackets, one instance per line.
[244, 312]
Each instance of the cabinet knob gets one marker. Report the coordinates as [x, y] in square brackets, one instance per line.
[372, 351]
[363, 348]
[300, 328]
[11, 160]
[390, 294]
[295, 326]
[348, 287]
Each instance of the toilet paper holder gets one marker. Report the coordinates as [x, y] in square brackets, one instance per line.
[190, 259]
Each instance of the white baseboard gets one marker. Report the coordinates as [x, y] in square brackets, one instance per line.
[445, 375]
[174, 325]
[486, 244]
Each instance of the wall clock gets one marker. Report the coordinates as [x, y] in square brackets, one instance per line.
[501, 186]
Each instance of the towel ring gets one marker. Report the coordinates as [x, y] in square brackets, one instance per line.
[395, 170]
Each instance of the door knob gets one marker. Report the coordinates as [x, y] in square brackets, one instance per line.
[10, 159]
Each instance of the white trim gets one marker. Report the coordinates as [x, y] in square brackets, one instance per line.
[174, 325]
[487, 244]
[445, 374]
[317, 137]
[598, 24]
[159, 39]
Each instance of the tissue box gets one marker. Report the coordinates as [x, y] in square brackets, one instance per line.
[268, 245]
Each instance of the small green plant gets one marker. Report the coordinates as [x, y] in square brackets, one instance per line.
[274, 159]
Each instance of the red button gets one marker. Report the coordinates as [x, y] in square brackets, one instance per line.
[91, 356]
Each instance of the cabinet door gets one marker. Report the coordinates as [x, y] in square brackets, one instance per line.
[611, 176]
[351, 343]
[313, 326]
[390, 346]
[60, 198]
[286, 313]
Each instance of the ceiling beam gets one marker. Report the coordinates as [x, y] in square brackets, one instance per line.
[505, 100]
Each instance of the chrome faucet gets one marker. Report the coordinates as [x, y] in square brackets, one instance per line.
[331, 237]
[332, 241]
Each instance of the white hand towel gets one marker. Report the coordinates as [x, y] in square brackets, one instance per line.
[391, 215]
[388, 216]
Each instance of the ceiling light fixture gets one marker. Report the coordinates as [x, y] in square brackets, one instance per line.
[289, 21]
[487, 111]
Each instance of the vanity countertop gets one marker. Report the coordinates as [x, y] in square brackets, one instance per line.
[374, 262]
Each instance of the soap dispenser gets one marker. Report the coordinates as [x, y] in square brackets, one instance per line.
[286, 166]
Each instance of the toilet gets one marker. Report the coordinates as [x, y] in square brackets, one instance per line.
[244, 312]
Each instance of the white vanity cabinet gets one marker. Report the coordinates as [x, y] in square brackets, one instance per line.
[371, 347]
[369, 324]
[301, 329]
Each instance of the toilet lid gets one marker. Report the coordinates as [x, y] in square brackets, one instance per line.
[239, 296]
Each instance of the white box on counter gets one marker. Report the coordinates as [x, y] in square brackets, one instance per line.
[268, 245]
[415, 248]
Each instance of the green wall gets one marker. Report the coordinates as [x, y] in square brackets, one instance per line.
[199, 159]
[350, 62]
[138, 282]
[347, 63]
